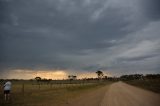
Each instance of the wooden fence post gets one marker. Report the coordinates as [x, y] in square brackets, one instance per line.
[23, 89]
[39, 86]
[51, 85]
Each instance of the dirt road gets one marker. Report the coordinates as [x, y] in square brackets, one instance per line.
[118, 94]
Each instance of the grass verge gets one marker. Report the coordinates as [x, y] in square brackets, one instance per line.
[47, 96]
[152, 85]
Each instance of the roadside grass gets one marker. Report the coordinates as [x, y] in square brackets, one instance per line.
[47, 95]
[149, 84]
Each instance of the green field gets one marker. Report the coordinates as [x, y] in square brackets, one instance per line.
[26, 93]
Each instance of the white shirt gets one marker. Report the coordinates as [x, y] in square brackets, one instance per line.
[7, 85]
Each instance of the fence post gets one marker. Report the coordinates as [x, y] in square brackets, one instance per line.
[23, 89]
[51, 85]
[39, 86]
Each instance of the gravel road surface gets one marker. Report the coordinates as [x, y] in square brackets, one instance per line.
[118, 94]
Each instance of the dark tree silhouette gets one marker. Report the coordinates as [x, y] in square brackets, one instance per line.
[72, 77]
[38, 79]
[132, 77]
[99, 74]
[152, 76]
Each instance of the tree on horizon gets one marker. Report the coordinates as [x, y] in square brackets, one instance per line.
[38, 79]
[72, 77]
[99, 74]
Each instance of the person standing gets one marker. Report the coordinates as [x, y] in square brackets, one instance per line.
[7, 90]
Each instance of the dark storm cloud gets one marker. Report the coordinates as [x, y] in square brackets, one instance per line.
[151, 8]
[78, 34]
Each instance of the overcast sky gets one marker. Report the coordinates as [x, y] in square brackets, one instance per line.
[117, 36]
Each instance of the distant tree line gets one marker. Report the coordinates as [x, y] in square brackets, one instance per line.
[140, 77]
[131, 77]
[42, 80]
[152, 76]
[100, 76]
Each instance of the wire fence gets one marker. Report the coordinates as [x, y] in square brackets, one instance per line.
[23, 90]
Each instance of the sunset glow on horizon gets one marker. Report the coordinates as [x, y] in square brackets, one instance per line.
[47, 74]
[31, 74]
